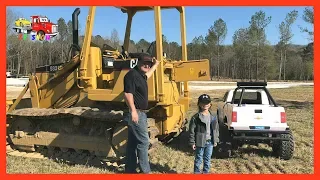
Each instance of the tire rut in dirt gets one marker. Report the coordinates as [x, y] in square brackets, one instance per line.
[260, 166]
[268, 164]
[240, 169]
[223, 166]
[231, 166]
[251, 167]
[70, 158]
[280, 167]
[218, 166]
[307, 144]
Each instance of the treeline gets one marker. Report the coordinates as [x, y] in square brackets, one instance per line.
[249, 57]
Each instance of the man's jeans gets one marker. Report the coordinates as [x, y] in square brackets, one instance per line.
[203, 153]
[138, 144]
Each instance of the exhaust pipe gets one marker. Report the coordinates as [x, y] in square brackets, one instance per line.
[75, 23]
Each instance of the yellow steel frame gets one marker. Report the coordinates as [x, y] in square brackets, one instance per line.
[131, 11]
[90, 77]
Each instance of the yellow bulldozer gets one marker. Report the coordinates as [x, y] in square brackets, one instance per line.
[77, 107]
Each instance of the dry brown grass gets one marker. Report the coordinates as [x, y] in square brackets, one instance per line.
[177, 157]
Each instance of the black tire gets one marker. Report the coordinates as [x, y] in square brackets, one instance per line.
[224, 148]
[223, 151]
[284, 149]
[236, 145]
[218, 118]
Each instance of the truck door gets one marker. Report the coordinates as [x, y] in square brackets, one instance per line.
[35, 24]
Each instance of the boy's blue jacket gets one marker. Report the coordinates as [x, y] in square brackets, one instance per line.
[197, 130]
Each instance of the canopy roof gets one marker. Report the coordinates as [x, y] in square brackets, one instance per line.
[125, 9]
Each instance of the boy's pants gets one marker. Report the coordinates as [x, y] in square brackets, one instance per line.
[203, 153]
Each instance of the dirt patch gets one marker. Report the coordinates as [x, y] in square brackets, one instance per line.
[13, 92]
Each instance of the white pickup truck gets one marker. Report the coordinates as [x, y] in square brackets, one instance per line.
[252, 116]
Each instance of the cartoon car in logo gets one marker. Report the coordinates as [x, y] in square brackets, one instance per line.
[21, 22]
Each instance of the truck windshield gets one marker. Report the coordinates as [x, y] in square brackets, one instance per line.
[248, 97]
[43, 19]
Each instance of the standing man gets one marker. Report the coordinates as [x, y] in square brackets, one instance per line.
[136, 97]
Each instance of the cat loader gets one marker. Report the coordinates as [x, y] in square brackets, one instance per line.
[75, 109]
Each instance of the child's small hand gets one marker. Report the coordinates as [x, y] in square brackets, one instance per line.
[215, 144]
[194, 147]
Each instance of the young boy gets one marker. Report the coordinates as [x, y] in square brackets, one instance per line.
[204, 134]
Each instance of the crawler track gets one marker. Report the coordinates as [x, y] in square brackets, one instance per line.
[78, 135]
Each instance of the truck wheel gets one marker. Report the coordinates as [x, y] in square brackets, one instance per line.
[285, 149]
[236, 145]
[225, 120]
[223, 150]
[219, 118]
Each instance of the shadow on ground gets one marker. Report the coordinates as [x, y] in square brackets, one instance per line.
[93, 161]
[252, 150]
[181, 143]
[162, 169]
[295, 104]
[222, 151]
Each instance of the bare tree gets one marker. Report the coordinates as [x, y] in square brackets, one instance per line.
[211, 41]
[115, 39]
[258, 23]
[220, 29]
[285, 37]
[308, 16]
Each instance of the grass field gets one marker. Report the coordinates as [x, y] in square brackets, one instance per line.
[177, 156]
